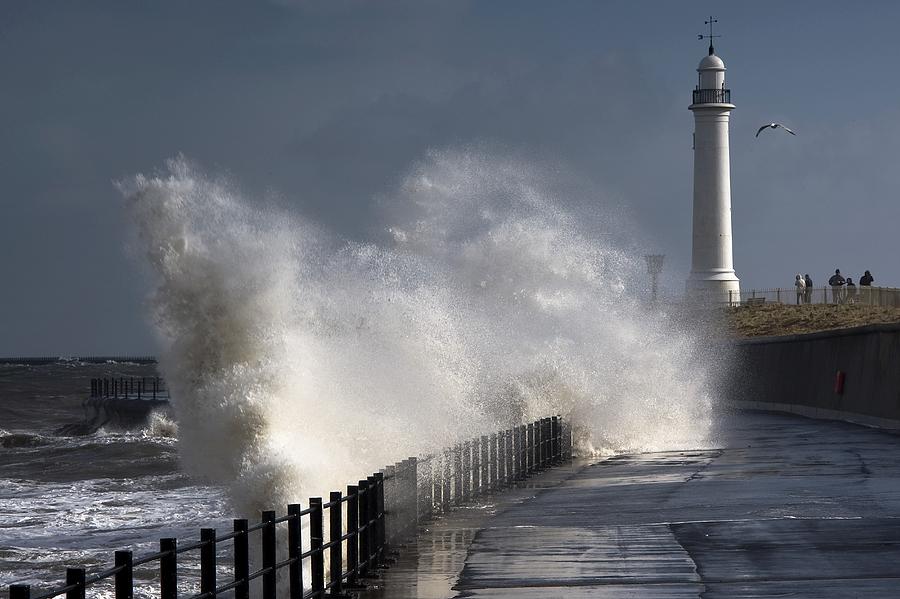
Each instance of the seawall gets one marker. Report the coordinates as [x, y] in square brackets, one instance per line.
[797, 374]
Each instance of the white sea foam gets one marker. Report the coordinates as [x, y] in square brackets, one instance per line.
[295, 368]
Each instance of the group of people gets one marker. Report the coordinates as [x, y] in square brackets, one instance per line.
[843, 290]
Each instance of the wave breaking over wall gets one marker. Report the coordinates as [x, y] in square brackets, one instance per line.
[297, 361]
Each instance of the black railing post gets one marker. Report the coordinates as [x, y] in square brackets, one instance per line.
[316, 534]
[364, 551]
[391, 492]
[529, 449]
[19, 591]
[168, 569]
[516, 453]
[75, 576]
[548, 425]
[208, 561]
[548, 442]
[501, 459]
[335, 531]
[467, 471]
[484, 465]
[457, 474]
[124, 577]
[412, 492]
[557, 440]
[492, 463]
[269, 558]
[241, 560]
[353, 531]
[425, 504]
[523, 452]
[445, 486]
[437, 474]
[396, 518]
[295, 550]
[376, 517]
[545, 439]
[510, 475]
[476, 466]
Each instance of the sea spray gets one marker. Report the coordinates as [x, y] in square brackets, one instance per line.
[296, 367]
[562, 320]
[289, 368]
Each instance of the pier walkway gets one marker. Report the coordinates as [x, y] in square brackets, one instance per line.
[783, 506]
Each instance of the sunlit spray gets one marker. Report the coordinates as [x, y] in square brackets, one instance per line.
[296, 367]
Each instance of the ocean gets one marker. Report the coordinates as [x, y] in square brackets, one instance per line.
[72, 500]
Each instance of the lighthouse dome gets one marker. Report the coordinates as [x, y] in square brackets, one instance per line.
[712, 72]
[711, 63]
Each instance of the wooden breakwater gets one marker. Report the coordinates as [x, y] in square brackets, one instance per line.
[43, 360]
[121, 403]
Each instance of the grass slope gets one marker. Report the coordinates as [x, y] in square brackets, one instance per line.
[785, 319]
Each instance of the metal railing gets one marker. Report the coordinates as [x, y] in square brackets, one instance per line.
[712, 96]
[149, 388]
[362, 524]
[858, 294]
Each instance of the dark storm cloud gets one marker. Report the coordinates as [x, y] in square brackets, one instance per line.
[326, 105]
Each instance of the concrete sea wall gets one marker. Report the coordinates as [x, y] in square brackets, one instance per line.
[798, 374]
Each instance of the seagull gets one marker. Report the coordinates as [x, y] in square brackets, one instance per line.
[774, 126]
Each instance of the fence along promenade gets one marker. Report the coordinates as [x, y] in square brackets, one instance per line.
[888, 297]
[363, 524]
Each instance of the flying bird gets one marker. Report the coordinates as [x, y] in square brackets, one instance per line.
[774, 126]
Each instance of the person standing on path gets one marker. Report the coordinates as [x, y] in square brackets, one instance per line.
[850, 290]
[865, 287]
[837, 286]
[800, 284]
[809, 287]
[867, 279]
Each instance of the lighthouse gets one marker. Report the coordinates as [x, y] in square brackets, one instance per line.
[712, 264]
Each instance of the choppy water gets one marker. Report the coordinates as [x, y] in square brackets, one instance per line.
[73, 500]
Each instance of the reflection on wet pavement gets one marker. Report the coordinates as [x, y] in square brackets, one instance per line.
[784, 506]
[428, 567]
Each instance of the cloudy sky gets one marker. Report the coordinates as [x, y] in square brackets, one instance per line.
[328, 104]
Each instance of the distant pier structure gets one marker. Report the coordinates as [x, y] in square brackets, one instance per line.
[712, 264]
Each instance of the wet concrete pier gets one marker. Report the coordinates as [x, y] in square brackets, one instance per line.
[783, 506]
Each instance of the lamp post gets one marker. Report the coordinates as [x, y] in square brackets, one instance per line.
[654, 267]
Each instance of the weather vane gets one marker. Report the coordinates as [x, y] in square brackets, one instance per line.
[710, 36]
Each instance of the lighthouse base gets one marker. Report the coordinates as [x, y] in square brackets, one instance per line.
[715, 287]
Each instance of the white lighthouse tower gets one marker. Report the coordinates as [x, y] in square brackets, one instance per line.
[712, 265]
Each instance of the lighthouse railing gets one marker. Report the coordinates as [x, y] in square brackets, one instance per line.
[712, 96]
